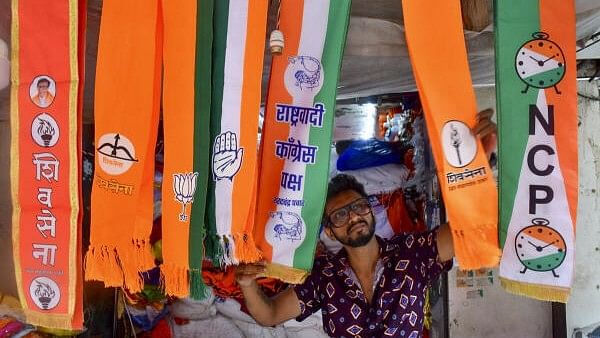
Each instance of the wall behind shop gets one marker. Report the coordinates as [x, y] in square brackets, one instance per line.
[583, 308]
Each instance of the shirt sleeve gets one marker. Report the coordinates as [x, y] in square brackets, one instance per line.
[421, 249]
[308, 292]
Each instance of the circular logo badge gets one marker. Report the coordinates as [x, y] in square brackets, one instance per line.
[303, 76]
[44, 130]
[42, 91]
[44, 292]
[459, 145]
[116, 154]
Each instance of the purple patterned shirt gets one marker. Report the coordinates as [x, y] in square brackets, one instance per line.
[408, 263]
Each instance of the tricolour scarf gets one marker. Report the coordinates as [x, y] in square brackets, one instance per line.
[438, 55]
[537, 115]
[47, 54]
[238, 49]
[297, 134]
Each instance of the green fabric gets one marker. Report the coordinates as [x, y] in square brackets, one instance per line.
[202, 99]
[515, 22]
[221, 11]
[317, 175]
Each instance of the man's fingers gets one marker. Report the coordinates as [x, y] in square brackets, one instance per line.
[485, 114]
[487, 130]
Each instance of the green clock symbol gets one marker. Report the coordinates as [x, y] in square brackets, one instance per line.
[540, 63]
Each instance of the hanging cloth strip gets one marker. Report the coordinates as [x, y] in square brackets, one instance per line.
[47, 54]
[140, 43]
[537, 115]
[297, 134]
[439, 59]
[238, 49]
[186, 45]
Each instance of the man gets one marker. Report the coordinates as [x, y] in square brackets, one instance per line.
[372, 287]
[43, 98]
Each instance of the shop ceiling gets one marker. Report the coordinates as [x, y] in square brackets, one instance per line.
[375, 59]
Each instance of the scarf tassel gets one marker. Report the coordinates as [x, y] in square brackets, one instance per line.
[245, 248]
[174, 280]
[475, 249]
[102, 264]
[546, 293]
[198, 289]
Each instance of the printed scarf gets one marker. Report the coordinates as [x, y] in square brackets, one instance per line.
[238, 49]
[537, 115]
[439, 59]
[297, 132]
[46, 92]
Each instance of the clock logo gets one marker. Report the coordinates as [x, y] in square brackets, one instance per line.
[540, 63]
[540, 247]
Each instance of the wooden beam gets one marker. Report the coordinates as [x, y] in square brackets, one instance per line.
[476, 14]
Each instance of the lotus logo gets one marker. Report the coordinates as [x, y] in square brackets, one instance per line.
[184, 187]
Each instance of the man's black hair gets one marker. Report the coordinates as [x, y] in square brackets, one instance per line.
[43, 80]
[343, 182]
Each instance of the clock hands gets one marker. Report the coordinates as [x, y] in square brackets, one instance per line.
[547, 245]
[539, 247]
[534, 59]
[548, 59]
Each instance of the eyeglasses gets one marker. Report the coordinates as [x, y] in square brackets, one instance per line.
[339, 217]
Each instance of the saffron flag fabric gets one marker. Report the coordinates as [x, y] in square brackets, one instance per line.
[183, 123]
[238, 49]
[147, 51]
[537, 119]
[47, 51]
[126, 112]
[297, 134]
[439, 59]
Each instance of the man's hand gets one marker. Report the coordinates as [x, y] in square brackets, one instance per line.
[487, 131]
[246, 274]
[266, 311]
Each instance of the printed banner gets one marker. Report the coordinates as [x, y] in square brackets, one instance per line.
[537, 118]
[439, 59]
[126, 113]
[238, 49]
[47, 43]
[297, 134]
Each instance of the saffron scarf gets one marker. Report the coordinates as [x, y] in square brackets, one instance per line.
[47, 54]
[537, 119]
[141, 44]
[439, 59]
[297, 132]
[238, 49]
[186, 64]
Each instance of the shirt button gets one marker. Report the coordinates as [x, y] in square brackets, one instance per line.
[372, 327]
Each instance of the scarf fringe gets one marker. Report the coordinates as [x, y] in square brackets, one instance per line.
[102, 264]
[541, 292]
[477, 248]
[214, 251]
[229, 250]
[174, 280]
[245, 248]
[54, 323]
[198, 289]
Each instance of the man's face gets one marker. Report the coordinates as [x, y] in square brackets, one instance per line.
[359, 227]
[42, 88]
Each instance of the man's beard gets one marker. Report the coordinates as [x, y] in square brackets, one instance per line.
[359, 241]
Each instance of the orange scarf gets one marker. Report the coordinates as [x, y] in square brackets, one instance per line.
[45, 155]
[439, 59]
